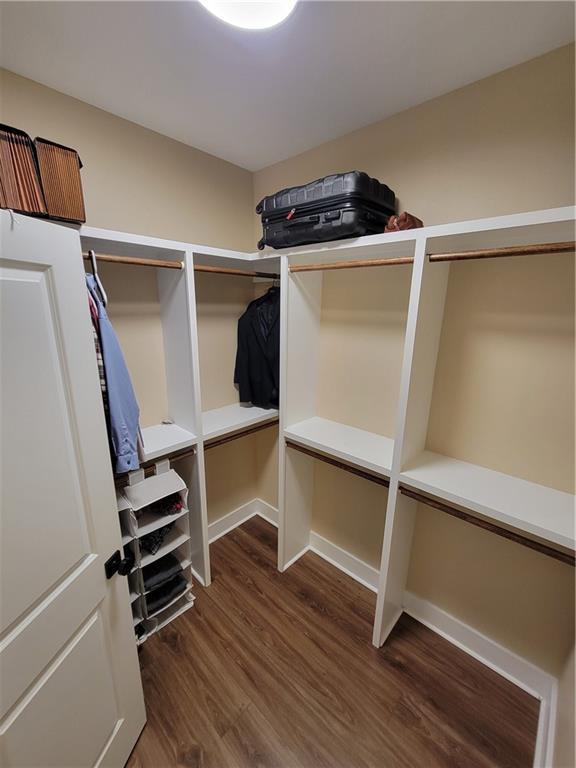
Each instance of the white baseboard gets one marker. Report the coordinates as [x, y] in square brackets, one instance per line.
[349, 564]
[267, 512]
[240, 515]
[232, 520]
[296, 557]
[519, 671]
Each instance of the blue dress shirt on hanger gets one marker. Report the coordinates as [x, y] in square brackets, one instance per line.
[124, 410]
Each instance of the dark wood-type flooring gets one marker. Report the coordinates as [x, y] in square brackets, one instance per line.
[273, 669]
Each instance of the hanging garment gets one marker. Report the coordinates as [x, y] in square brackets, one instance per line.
[257, 371]
[123, 408]
[101, 375]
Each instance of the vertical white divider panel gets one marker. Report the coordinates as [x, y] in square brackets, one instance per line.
[300, 335]
[176, 331]
[284, 278]
[302, 345]
[195, 475]
[423, 328]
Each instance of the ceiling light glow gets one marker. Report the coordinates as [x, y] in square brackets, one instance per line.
[257, 14]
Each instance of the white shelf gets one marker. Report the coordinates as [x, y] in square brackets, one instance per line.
[534, 509]
[173, 540]
[151, 522]
[163, 439]
[231, 418]
[354, 446]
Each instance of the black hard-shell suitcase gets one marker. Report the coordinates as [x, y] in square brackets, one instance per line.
[332, 208]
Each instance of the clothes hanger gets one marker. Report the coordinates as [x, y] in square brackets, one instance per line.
[101, 291]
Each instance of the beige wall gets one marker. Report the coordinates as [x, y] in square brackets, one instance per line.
[498, 146]
[504, 387]
[362, 327]
[134, 179]
[220, 301]
[349, 511]
[231, 476]
[267, 465]
[502, 145]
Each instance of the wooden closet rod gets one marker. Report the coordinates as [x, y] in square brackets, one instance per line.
[140, 262]
[241, 433]
[564, 557]
[513, 250]
[365, 475]
[488, 253]
[239, 272]
[351, 264]
[149, 466]
[135, 261]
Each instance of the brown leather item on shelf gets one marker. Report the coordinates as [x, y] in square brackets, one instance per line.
[403, 221]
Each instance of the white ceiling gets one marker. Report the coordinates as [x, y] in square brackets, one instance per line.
[257, 97]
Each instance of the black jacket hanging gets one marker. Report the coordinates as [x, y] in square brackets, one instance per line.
[257, 370]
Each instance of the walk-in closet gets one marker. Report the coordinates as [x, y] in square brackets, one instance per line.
[287, 384]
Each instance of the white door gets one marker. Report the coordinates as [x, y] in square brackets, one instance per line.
[70, 687]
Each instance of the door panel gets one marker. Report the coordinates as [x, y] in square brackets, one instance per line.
[46, 629]
[69, 729]
[32, 376]
[71, 693]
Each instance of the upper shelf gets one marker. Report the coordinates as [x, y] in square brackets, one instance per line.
[232, 418]
[542, 226]
[534, 509]
[349, 444]
[163, 439]
[548, 225]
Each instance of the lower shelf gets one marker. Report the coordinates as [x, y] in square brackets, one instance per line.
[163, 439]
[349, 444]
[524, 506]
[232, 418]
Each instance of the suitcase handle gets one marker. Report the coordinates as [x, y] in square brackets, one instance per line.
[302, 221]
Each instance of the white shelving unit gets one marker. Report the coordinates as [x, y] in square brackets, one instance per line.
[399, 455]
[534, 511]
